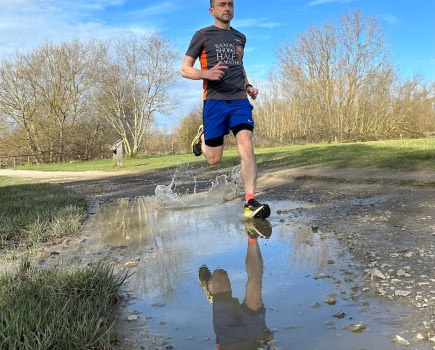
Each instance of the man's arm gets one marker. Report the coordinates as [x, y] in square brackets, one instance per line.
[188, 71]
[250, 90]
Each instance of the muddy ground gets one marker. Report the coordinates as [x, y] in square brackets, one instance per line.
[385, 218]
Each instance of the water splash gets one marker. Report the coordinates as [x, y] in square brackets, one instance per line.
[166, 196]
[227, 186]
[224, 187]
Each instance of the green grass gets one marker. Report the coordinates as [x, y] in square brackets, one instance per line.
[35, 212]
[59, 309]
[398, 154]
[54, 308]
[140, 164]
[408, 154]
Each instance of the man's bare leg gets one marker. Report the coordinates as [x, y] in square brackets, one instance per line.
[254, 269]
[213, 155]
[248, 166]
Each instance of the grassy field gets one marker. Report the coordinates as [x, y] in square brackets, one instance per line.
[59, 309]
[405, 155]
[31, 213]
[408, 154]
[52, 308]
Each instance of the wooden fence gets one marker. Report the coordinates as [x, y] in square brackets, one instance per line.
[13, 161]
[45, 158]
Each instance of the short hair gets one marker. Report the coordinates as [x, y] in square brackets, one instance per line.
[211, 3]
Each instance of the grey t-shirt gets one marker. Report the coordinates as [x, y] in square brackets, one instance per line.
[212, 45]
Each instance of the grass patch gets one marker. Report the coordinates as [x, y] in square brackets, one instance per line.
[408, 154]
[145, 163]
[58, 309]
[34, 212]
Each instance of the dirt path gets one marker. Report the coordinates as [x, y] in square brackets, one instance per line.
[385, 218]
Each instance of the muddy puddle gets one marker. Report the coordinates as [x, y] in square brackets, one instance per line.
[200, 277]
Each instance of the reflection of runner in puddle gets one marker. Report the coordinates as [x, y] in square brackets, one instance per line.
[240, 326]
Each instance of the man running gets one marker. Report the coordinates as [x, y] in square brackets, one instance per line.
[220, 49]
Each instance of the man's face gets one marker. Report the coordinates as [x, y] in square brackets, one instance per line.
[223, 10]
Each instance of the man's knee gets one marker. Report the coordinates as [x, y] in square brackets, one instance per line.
[213, 159]
[214, 154]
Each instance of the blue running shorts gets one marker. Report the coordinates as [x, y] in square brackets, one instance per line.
[219, 117]
[234, 322]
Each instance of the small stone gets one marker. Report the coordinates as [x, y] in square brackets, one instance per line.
[401, 273]
[132, 317]
[131, 264]
[339, 314]
[359, 327]
[401, 341]
[381, 291]
[331, 300]
[158, 305]
[330, 325]
[402, 293]
[376, 273]
[290, 326]
[419, 336]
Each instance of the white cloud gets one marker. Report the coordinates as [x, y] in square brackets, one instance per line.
[164, 7]
[251, 49]
[389, 18]
[32, 22]
[271, 24]
[321, 2]
[255, 22]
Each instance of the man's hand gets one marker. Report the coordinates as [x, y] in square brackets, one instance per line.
[215, 73]
[252, 91]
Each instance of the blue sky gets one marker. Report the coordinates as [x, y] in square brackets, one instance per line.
[409, 28]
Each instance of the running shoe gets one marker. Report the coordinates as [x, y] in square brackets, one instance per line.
[256, 210]
[196, 143]
[258, 228]
[204, 276]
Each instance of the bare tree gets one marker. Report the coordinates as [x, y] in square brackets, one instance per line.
[47, 91]
[310, 69]
[64, 77]
[18, 100]
[340, 82]
[136, 84]
[187, 127]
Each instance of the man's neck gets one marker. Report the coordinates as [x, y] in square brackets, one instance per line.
[222, 25]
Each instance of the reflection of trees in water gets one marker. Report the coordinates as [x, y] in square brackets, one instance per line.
[308, 249]
[164, 239]
[132, 222]
[138, 224]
